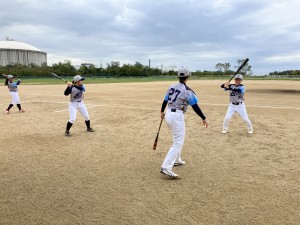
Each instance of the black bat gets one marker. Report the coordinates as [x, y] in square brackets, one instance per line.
[55, 75]
[239, 69]
[156, 139]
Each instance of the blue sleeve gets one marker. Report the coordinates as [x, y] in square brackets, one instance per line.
[192, 99]
[18, 82]
[242, 88]
[166, 96]
[83, 88]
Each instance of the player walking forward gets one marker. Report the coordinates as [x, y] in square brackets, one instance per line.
[13, 90]
[237, 103]
[75, 91]
[178, 97]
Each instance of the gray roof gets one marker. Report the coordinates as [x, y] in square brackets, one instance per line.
[17, 45]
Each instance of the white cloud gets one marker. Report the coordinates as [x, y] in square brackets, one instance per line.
[198, 34]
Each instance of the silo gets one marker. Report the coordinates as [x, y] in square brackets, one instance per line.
[15, 52]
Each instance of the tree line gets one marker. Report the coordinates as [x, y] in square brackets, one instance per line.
[114, 69]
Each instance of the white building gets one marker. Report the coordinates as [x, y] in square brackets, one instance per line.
[14, 53]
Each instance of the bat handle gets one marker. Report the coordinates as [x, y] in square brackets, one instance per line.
[154, 145]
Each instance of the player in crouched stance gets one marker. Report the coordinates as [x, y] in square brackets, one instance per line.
[178, 97]
[236, 104]
[76, 90]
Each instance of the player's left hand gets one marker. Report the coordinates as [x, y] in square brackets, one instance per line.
[162, 115]
[205, 124]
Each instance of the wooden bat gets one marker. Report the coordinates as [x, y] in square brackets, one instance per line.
[55, 75]
[239, 69]
[156, 139]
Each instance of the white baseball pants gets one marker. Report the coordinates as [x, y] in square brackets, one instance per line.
[175, 122]
[241, 110]
[73, 107]
[15, 99]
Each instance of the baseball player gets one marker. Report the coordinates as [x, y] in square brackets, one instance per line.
[13, 90]
[76, 90]
[237, 103]
[178, 97]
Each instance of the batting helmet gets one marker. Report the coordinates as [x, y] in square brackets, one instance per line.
[183, 72]
[78, 78]
[238, 76]
[10, 76]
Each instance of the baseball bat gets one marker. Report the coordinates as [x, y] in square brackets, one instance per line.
[55, 75]
[239, 69]
[156, 139]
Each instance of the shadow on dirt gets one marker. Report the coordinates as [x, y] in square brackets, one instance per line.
[275, 91]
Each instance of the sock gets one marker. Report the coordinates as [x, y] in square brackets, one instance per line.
[69, 125]
[88, 123]
[9, 107]
[19, 106]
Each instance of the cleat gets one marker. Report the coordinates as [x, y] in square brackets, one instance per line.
[6, 111]
[169, 173]
[90, 129]
[22, 110]
[67, 133]
[250, 131]
[224, 131]
[179, 163]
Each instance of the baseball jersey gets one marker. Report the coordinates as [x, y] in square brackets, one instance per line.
[13, 86]
[236, 92]
[75, 92]
[179, 96]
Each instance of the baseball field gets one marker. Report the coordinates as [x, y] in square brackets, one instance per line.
[112, 176]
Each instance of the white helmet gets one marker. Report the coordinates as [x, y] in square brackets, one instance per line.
[183, 72]
[78, 78]
[238, 76]
[10, 76]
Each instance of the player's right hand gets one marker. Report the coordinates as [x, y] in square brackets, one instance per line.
[162, 115]
[69, 84]
[205, 124]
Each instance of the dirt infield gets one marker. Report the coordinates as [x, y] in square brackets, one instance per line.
[112, 176]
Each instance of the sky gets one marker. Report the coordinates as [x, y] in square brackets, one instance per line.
[195, 34]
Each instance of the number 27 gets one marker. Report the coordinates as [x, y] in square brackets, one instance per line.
[171, 92]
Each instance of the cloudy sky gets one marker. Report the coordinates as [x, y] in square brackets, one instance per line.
[196, 34]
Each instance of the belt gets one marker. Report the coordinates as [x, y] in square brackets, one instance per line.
[237, 103]
[173, 110]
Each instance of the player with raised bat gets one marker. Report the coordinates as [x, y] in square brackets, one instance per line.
[237, 104]
[177, 99]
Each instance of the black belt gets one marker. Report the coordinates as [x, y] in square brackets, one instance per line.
[236, 103]
[173, 110]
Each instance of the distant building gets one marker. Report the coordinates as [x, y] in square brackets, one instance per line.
[14, 53]
[169, 68]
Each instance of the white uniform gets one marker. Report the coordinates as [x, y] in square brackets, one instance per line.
[179, 96]
[76, 103]
[236, 104]
[13, 90]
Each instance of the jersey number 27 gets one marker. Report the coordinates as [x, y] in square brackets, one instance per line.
[173, 94]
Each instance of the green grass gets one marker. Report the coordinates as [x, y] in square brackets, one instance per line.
[96, 80]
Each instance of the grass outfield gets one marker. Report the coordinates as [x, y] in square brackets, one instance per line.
[96, 80]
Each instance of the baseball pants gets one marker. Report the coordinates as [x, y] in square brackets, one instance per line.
[73, 107]
[176, 124]
[15, 99]
[241, 110]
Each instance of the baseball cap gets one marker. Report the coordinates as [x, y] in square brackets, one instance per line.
[238, 76]
[183, 72]
[10, 76]
[78, 78]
